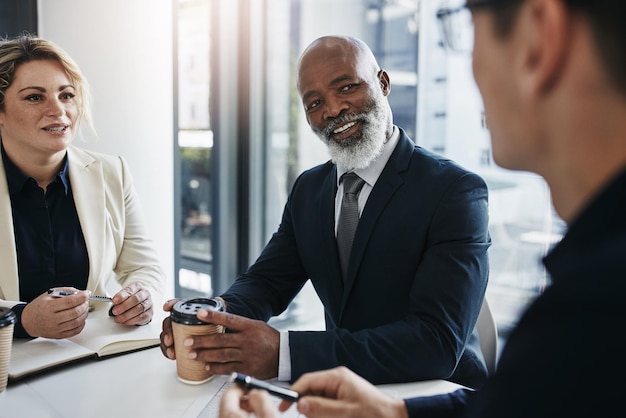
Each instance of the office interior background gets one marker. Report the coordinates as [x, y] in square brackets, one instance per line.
[199, 96]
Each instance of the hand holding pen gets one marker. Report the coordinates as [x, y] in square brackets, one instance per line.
[241, 398]
[333, 393]
[55, 317]
[132, 305]
[248, 382]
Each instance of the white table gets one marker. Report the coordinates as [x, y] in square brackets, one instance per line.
[140, 384]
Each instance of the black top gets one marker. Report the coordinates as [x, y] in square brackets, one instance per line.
[565, 355]
[51, 249]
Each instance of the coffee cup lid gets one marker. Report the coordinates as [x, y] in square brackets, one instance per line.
[7, 317]
[185, 310]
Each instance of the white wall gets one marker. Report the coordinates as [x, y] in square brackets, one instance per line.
[124, 48]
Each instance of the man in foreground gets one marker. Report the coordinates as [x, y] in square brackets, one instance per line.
[551, 73]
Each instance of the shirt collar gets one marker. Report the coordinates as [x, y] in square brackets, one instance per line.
[16, 179]
[371, 173]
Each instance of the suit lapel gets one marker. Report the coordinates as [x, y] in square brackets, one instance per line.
[331, 255]
[8, 254]
[327, 215]
[87, 182]
[389, 181]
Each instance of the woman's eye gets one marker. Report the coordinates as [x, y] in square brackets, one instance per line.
[33, 97]
[67, 96]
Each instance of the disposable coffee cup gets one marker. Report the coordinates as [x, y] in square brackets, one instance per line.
[7, 322]
[185, 323]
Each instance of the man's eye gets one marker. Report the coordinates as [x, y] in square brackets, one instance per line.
[347, 87]
[312, 105]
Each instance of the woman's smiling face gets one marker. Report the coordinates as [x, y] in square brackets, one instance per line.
[40, 110]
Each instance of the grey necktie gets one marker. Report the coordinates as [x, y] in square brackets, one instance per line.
[348, 218]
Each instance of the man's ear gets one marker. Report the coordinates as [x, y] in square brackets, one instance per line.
[385, 85]
[546, 33]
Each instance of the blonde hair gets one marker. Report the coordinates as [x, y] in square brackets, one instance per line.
[26, 48]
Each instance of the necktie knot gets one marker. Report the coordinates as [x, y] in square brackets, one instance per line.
[352, 183]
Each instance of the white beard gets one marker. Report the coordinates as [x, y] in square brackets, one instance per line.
[359, 150]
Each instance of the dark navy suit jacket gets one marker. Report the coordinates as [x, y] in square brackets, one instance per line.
[416, 277]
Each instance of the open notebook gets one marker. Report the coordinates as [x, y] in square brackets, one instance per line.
[101, 337]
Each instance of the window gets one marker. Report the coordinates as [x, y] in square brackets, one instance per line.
[17, 16]
[433, 97]
[195, 143]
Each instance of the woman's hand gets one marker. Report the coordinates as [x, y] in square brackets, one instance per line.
[56, 317]
[132, 305]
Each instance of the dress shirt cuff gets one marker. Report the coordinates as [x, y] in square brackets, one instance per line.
[284, 361]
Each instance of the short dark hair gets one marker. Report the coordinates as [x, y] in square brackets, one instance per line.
[505, 12]
[607, 21]
[606, 18]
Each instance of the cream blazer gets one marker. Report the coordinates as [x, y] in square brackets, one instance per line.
[112, 221]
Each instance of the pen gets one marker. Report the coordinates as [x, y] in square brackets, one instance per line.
[59, 292]
[248, 382]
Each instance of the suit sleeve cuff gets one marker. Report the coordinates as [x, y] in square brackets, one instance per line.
[18, 330]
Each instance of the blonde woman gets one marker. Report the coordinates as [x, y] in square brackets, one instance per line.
[69, 218]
